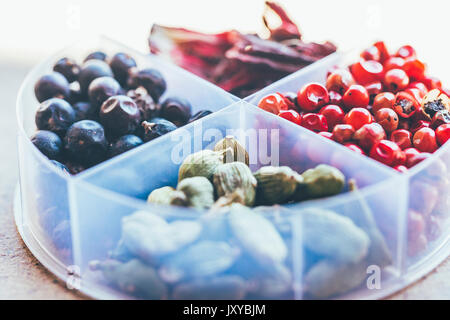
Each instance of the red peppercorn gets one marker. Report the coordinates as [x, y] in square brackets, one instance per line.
[432, 82]
[387, 118]
[374, 88]
[414, 158]
[334, 114]
[342, 133]
[406, 52]
[339, 81]
[314, 122]
[367, 71]
[312, 96]
[405, 105]
[383, 100]
[401, 168]
[403, 124]
[356, 96]
[357, 117]
[396, 79]
[371, 53]
[424, 140]
[290, 98]
[420, 86]
[433, 227]
[291, 115]
[416, 224]
[386, 152]
[418, 245]
[384, 53]
[443, 133]
[325, 134]
[419, 125]
[273, 103]
[355, 148]
[400, 159]
[414, 68]
[369, 134]
[332, 69]
[394, 63]
[402, 138]
[441, 117]
[335, 98]
[410, 154]
[416, 93]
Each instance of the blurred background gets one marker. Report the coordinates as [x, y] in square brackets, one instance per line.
[32, 30]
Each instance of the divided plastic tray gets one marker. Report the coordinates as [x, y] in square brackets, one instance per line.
[68, 222]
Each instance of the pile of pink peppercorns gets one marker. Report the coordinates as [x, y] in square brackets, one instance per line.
[384, 105]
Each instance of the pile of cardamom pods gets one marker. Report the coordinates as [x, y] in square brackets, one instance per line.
[232, 251]
[219, 177]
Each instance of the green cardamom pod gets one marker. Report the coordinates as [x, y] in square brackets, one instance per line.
[133, 277]
[237, 196]
[334, 236]
[329, 278]
[275, 184]
[203, 163]
[167, 196]
[235, 151]
[322, 181]
[199, 192]
[230, 176]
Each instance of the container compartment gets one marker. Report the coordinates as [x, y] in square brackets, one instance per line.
[45, 203]
[426, 222]
[101, 202]
[429, 209]
[44, 189]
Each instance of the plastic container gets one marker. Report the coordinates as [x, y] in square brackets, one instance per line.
[69, 223]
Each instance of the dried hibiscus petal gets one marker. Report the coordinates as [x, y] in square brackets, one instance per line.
[287, 29]
[240, 63]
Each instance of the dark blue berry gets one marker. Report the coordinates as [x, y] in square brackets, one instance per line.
[101, 89]
[75, 94]
[49, 143]
[147, 106]
[85, 111]
[120, 116]
[97, 55]
[74, 167]
[120, 64]
[176, 110]
[124, 144]
[50, 86]
[85, 143]
[55, 115]
[199, 115]
[60, 166]
[156, 127]
[91, 70]
[68, 68]
[151, 79]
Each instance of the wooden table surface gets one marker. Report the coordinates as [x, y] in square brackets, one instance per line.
[23, 277]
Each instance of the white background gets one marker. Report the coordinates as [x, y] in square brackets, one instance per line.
[32, 30]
